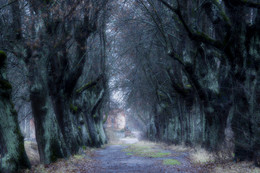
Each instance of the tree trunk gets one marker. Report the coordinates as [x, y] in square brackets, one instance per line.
[67, 122]
[48, 135]
[245, 53]
[93, 117]
[50, 140]
[215, 131]
[11, 140]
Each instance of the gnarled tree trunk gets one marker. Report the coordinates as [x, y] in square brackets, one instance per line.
[50, 140]
[12, 152]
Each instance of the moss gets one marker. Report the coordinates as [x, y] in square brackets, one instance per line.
[129, 154]
[171, 162]
[205, 36]
[83, 87]
[84, 147]
[2, 58]
[105, 119]
[222, 13]
[224, 16]
[5, 85]
[73, 108]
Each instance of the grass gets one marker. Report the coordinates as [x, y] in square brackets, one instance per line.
[78, 157]
[198, 155]
[215, 162]
[137, 149]
[202, 156]
[232, 167]
[155, 154]
[145, 150]
[171, 162]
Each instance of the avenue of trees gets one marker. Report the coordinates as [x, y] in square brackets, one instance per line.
[191, 71]
[188, 70]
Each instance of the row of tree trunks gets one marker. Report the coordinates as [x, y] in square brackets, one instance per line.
[234, 41]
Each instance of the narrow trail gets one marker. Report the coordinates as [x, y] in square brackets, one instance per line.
[132, 158]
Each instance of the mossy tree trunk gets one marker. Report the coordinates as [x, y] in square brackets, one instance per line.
[12, 152]
[91, 102]
[67, 122]
[56, 69]
[236, 38]
[50, 140]
[62, 85]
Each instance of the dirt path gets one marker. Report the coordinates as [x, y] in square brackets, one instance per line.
[133, 156]
[129, 158]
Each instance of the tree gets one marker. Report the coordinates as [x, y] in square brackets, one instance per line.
[51, 39]
[12, 152]
[235, 38]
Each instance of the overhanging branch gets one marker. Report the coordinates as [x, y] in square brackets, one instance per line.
[89, 84]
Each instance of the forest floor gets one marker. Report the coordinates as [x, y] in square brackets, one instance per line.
[131, 156]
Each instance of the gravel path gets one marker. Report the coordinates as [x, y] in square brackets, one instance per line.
[113, 159]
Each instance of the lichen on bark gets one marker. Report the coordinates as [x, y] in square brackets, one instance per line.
[11, 140]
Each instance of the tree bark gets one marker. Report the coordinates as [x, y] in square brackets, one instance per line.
[11, 140]
[50, 140]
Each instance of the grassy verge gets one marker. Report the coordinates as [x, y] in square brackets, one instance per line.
[221, 162]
